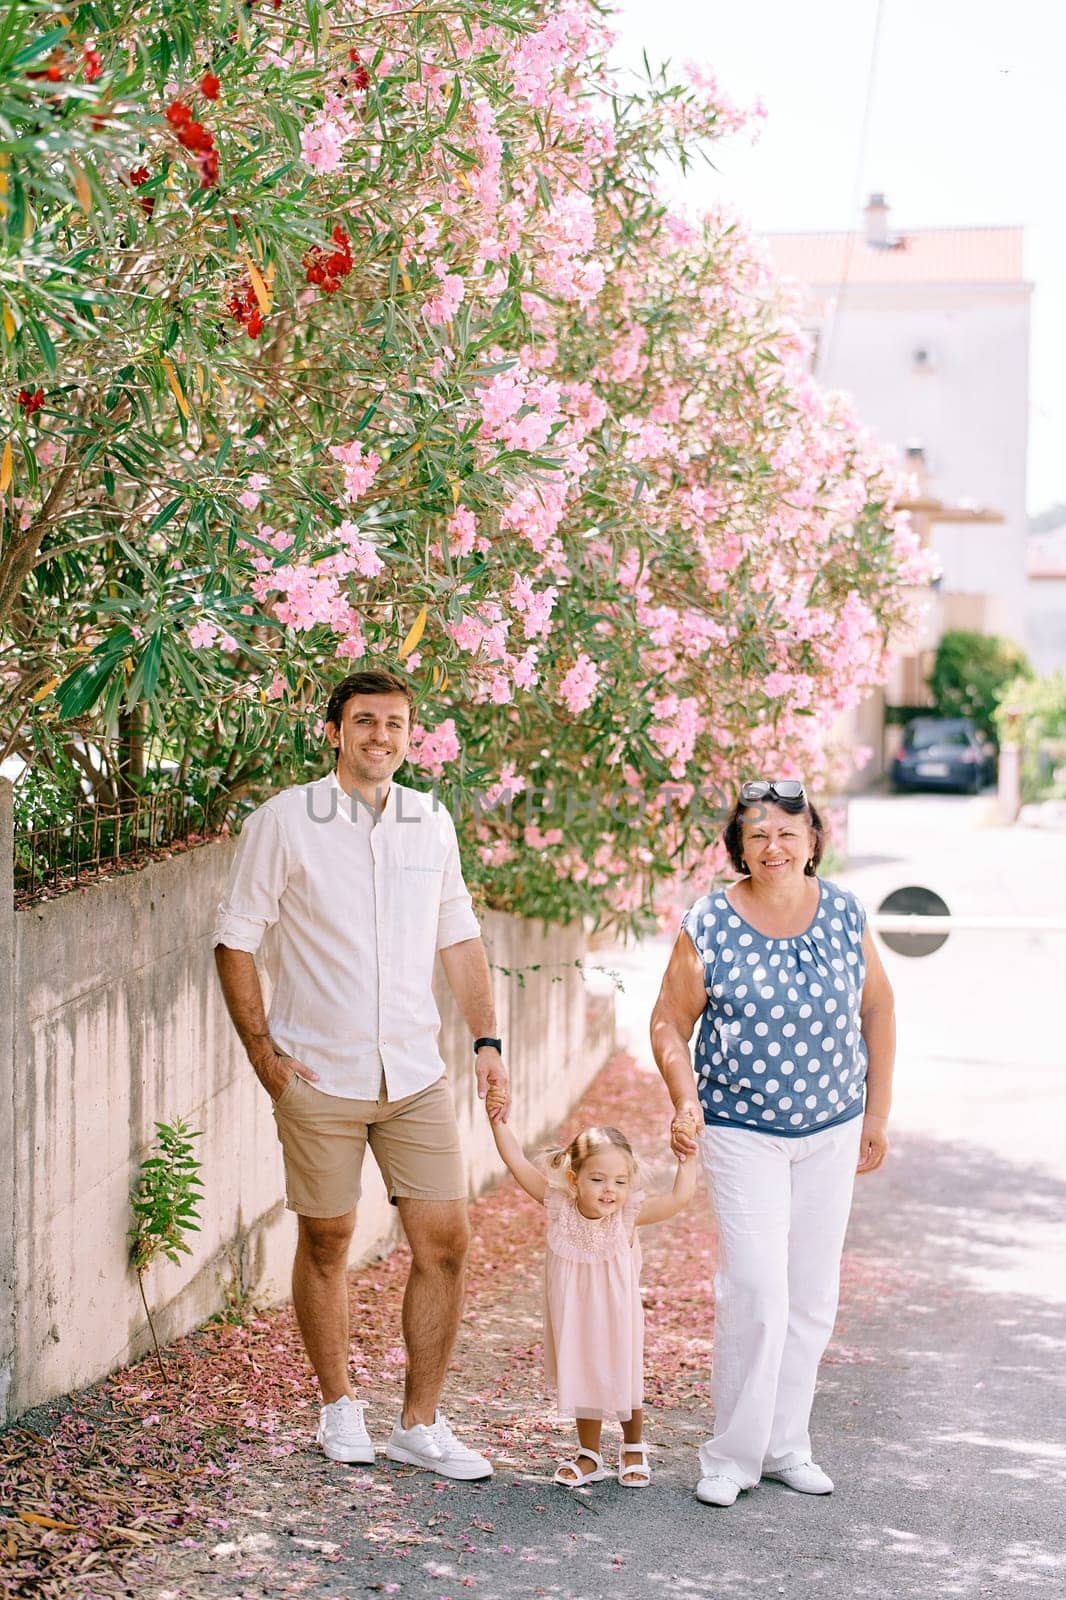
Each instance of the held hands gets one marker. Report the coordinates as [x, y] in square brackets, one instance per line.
[686, 1123]
[873, 1143]
[492, 1084]
[274, 1069]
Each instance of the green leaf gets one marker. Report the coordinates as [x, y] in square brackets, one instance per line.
[42, 339]
[454, 102]
[80, 691]
[162, 517]
[153, 657]
[41, 46]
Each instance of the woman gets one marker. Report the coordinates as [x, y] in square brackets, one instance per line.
[793, 1075]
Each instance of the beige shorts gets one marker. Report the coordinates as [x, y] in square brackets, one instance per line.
[324, 1138]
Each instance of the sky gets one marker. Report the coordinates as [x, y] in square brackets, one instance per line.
[964, 127]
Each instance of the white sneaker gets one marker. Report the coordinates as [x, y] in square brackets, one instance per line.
[435, 1447]
[342, 1431]
[806, 1478]
[717, 1490]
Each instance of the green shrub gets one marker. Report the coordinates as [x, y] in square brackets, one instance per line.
[970, 674]
[1041, 705]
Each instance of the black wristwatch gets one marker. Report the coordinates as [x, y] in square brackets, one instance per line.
[497, 1044]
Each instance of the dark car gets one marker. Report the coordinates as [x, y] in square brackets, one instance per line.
[943, 753]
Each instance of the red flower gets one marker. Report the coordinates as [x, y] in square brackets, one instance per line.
[194, 136]
[53, 72]
[31, 400]
[243, 306]
[178, 113]
[139, 175]
[326, 268]
[209, 170]
[92, 64]
[209, 86]
[360, 77]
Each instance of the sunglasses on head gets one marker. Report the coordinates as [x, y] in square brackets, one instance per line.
[772, 789]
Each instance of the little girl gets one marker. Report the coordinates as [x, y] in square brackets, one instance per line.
[593, 1317]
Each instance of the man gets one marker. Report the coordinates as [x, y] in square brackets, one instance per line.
[358, 881]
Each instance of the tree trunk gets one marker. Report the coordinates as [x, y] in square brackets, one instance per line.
[131, 751]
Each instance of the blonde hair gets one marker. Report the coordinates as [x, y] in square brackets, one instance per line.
[570, 1158]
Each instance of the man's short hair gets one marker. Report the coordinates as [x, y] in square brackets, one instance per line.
[381, 682]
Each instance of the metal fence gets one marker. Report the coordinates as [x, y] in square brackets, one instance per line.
[96, 840]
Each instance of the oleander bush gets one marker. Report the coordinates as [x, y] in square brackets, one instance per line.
[337, 335]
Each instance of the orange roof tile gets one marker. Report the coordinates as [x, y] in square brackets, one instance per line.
[928, 255]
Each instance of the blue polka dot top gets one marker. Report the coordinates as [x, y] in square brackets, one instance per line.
[779, 1047]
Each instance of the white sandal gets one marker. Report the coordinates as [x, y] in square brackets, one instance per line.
[580, 1477]
[637, 1475]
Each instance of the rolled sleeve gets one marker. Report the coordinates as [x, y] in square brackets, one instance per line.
[456, 920]
[250, 904]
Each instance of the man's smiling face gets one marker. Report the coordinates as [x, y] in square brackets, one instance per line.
[371, 741]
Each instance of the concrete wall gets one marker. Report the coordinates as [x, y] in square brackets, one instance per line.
[7, 1101]
[119, 1023]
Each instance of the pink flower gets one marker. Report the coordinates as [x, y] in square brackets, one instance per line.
[500, 398]
[322, 141]
[536, 608]
[524, 673]
[249, 498]
[509, 782]
[496, 855]
[351, 647]
[579, 686]
[462, 531]
[202, 634]
[434, 748]
[359, 469]
[443, 306]
[364, 557]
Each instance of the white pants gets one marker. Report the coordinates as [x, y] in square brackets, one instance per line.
[781, 1207]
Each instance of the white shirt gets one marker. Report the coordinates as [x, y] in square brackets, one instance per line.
[354, 908]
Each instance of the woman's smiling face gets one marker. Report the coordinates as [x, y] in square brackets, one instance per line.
[777, 844]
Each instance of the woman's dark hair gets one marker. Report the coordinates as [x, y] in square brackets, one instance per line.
[795, 808]
[367, 683]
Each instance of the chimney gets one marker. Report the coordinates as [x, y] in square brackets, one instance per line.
[876, 217]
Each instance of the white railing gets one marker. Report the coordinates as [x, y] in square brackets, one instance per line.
[915, 923]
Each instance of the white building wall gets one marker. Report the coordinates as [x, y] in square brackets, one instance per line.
[1046, 623]
[967, 407]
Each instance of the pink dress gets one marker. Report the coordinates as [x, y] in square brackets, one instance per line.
[593, 1318]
